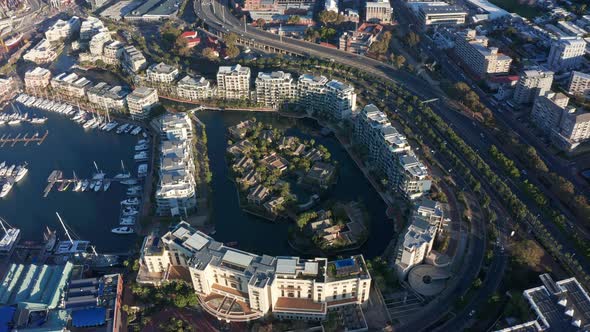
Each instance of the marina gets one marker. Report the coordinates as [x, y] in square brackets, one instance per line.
[71, 149]
[88, 120]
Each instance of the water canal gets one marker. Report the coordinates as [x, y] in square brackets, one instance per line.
[260, 236]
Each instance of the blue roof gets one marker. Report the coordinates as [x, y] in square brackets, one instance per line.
[344, 263]
[89, 317]
[6, 314]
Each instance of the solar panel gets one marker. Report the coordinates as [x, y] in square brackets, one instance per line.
[196, 241]
[286, 265]
[236, 258]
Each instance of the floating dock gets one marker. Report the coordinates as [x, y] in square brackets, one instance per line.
[56, 176]
[22, 138]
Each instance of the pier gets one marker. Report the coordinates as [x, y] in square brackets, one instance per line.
[56, 176]
[24, 138]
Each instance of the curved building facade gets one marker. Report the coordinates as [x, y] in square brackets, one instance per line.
[235, 285]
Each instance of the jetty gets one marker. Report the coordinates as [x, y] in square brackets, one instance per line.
[56, 177]
[22, 138]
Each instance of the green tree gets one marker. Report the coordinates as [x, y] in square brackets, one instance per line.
[210, 53]
[412, 39]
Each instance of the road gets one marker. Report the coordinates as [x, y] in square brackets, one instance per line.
[218, 18]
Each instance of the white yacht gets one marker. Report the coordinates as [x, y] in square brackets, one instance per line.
[6, 187]
[123, 230]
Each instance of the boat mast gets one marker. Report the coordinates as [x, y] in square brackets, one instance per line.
[96, 167]
[122, 166]
[94, 250]
[2, 224]
[65, 229]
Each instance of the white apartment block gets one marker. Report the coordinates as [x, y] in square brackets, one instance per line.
[531, 84]
[233, 82]
[133, 59]
[340, 102]
[579, 84]
[311, 92]
[41, 53]
[474, 51]
[107, 97]
[274, 88]
[141, 101]
[573, 130]
[389, 153]
[439, 14]
[62, 29]
[566, 53]
[7, 87]
[547, 110]
[97, 43]
[70, 85]
[378, 11]
[37, 78]
[252, 286]
[90, 27]
[112, 52]
[176, 192]
[416, 243]
[194, 88]
[161, 73]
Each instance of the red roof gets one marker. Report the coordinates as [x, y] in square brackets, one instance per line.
[504, 79]
[189, 34]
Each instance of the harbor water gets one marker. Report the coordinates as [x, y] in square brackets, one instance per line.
[70, 148]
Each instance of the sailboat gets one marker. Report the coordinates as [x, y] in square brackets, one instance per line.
[78, 184]
[50, 239]
[71, 246]
[124, 174]
[99, 175]
[9, 239]
[107, 185]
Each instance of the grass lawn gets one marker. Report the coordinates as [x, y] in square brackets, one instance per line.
[523, 10]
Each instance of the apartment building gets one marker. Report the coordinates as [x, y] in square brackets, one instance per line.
[141, 101]
[481, 59]
[359, 41]
[107, 97]
[389, 154]
[37, 79]
[416, 243]
[41, 53]
[97, 43]
[311, 91]
[378, 11]
[176, 191]
[112, 52]
[7, 87]
[557, 306]
[133, 59]
[439, 14]
[233, 82]
[532, 83]
[573, 130]
[579, 84]
[161, 73]
[70, 85]
[340, 100]
[547, 110]
[90, 27]
[194, 88]
[61, 29]
[274, 88]
[566, 53]
[254, 286]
